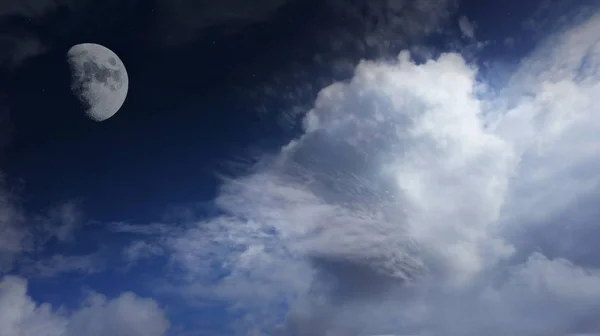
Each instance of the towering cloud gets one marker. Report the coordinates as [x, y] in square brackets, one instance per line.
[416, 201]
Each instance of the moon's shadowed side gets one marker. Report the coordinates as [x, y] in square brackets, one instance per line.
[41, 104]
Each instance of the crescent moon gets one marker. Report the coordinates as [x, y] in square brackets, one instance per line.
[99, 79]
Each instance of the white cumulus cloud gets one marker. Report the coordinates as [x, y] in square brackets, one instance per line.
[417, 201]
[125, 315]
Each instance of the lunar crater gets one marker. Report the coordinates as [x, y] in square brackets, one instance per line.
[99, 79]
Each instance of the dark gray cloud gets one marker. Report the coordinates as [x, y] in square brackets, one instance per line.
[182, 20]
[351, 280]
[22, 24]
[32, 27]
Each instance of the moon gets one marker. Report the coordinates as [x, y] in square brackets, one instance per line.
[98, 79]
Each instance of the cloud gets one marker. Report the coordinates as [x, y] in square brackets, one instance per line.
[341, 33]
[60, 222]
[125, 315]
[57, 264]
[19, 315]
[63, 220]
[13, 234]
[21, 38]
[183, 20]
[24, 238]
[414, 203]
[466, 27]
[365, 202]
[383, 23]
[139, 249]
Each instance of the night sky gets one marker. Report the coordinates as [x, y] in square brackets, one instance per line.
[192, 107]
[216, 147]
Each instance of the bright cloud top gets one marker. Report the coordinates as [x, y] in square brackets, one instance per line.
[412, 204]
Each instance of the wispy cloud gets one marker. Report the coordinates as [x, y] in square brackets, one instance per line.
[13, 234]
[140, 249]
[466, 27]
[24, 238]
[59, 264]
[62, 221]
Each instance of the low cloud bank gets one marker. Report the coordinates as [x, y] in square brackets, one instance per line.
[125, 315]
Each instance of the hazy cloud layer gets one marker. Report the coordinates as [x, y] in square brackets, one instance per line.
[125, 315]
[414, 203]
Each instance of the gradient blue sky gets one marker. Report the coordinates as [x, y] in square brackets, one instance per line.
[304, 168]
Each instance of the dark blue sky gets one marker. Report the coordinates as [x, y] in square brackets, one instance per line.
[206, 103]
[191, 108]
